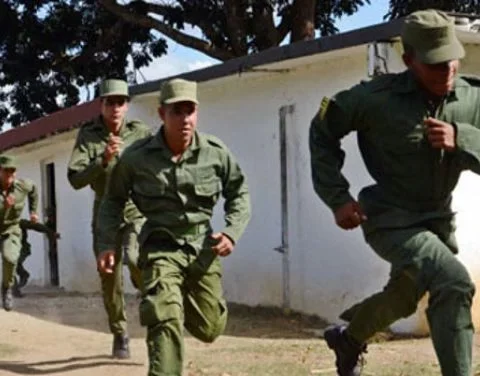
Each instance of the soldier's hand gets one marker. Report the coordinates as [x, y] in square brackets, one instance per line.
[440, 134]
[350, 215]
[112, 148]
[106, 262]
[9, 201]
[224, 244]
[34, 217]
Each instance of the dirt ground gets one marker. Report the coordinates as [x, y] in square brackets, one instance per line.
[52, 333]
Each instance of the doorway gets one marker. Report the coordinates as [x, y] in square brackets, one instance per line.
[50, 219]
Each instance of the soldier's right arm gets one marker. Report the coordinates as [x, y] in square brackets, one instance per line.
[335, 119]
[83, 168]
[110, 213]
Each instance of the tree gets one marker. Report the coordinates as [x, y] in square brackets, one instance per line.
[232, 28]
[50, 48]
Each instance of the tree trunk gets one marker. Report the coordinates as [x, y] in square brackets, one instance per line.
[303, 20]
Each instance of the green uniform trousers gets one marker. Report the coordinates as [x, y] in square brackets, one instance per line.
[182, 289]
[112, 284]
[10, 249]
[420, 262]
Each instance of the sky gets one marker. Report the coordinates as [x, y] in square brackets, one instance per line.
[180, 59]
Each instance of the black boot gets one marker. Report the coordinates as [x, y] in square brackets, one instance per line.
[7, 298]
[17, 293]
[24, 276]
[349, 361]
[120, 348]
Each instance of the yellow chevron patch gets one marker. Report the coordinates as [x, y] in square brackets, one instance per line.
[323, 107]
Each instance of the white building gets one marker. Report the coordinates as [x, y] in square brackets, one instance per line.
[261, 106]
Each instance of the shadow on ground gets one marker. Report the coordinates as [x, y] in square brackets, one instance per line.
[63, 365]
[86, 311]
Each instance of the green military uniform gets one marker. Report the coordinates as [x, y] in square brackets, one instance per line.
[26, 248]
[10, 232]
[410, 222]
[85, 168]
[181, 273]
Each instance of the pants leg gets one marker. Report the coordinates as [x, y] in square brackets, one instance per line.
[11, 246]
[130, 244]
[421, 262]
[205, 309]
[112, 287]
[161, 311]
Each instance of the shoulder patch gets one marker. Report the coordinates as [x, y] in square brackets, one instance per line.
[322, 111]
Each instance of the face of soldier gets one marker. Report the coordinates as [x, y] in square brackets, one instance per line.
[180, 121]
[7, 176]
[113, 110]
[437, 79]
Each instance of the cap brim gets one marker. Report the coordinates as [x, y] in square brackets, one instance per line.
[180, 99]
[453, 51]
[115, 94]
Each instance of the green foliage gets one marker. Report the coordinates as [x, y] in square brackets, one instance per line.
[48, 49]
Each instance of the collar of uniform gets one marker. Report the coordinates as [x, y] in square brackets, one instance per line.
[407, 83]
[158, 142]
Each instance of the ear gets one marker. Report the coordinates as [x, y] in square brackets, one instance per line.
[407, 59]
[161, 112]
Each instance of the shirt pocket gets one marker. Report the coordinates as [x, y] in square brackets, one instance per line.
[207, 193]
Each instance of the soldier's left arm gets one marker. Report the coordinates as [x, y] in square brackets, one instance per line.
[468, 134]
[32, 195]
[237, 197]
[110, 213]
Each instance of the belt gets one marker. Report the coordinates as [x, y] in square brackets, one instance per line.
[178, 234]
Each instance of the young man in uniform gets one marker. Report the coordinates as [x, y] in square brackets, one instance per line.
[417, 131]
[175, 178]
[14, 194]
[97, 149]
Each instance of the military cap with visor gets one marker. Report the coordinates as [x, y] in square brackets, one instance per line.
[431, 35]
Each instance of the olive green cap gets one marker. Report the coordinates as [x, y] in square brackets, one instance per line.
[178, 90]
[431, 34]
[113, 87]
[8, 161]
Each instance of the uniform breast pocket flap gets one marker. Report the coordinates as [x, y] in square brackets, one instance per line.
[208, 189]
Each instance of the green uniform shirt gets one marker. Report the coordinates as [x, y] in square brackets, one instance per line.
[176, 196]
[85, 167]
[414, 181]
[21, 189]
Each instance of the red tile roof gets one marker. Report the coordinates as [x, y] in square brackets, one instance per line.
[58, 122]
